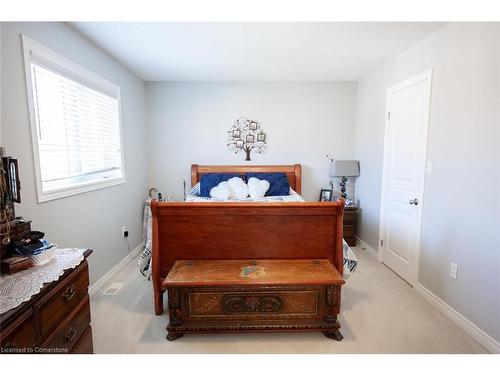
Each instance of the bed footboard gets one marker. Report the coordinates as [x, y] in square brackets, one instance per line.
[232, 231]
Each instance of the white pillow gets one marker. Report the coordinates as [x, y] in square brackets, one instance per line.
[257, 188]
[239, 190]
[221, 192]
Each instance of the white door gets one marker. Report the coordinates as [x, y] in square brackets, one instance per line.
[405, 150]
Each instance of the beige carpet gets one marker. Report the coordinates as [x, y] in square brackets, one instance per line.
[380, 314]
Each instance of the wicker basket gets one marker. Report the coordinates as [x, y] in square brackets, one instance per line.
[45, 257]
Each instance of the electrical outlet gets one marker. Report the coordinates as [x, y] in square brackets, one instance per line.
[453, 270]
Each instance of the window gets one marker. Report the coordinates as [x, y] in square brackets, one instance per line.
[75, 125]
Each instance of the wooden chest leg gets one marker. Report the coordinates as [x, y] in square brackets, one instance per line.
[174, 313]
[332, 306]
[335, 335]
[171, 336]
[332, 299]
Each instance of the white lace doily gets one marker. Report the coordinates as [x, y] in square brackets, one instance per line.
[20, 287]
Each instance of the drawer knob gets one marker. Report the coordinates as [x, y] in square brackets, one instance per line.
[71, 333]
[69, 293]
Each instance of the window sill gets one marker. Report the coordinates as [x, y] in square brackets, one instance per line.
[79, 189]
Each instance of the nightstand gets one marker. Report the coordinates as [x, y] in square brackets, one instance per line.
[350, 222]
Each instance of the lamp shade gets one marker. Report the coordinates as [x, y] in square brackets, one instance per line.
[344, 168]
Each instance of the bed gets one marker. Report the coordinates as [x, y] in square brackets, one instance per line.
[243, 230]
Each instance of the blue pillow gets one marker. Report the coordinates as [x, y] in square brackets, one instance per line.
[278, 182]
[210, 180]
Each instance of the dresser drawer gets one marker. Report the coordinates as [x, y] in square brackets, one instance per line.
[349, 231]
[262, 303]
[349, 217]
[65, 297]
[71, 329]
[19, 336]
[84, 344]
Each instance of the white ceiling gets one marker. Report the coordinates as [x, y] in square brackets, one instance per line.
[333, 51]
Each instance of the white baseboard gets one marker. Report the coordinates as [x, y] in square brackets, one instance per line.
[368, 248]
[103, 281]
[470, 328]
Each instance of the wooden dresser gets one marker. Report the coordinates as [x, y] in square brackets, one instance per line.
[349, 225]
[56, 320]
[220, 296]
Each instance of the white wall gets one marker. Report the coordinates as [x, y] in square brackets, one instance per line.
[461, 214]
[304, 122]
[93, 219]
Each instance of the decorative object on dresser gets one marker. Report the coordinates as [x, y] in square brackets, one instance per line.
[54, 320]
[11, 232]
[350, 223]
[220, 296]
[10, 172]
[14, 264]
[246, 135]
[11, 228]
[16, 237]
[344, 169]
[9, 193]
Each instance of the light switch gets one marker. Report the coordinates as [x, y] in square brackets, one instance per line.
[453, 270]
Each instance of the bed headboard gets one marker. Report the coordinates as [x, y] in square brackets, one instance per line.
[293, 172]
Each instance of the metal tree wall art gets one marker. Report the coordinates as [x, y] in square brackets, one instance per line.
[246, 135]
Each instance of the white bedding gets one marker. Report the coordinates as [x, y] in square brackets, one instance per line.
[193, 196]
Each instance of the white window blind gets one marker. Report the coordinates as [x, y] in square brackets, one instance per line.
[77, 128]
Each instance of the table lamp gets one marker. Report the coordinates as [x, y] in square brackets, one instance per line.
[344, 169]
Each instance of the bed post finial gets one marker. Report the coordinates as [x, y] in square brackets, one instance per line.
[297, 169]
[194, 174]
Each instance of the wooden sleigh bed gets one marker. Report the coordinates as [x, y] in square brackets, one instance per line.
[230, 231]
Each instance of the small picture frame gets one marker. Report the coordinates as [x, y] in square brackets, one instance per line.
[236, 133]
[239, 144]
[326, 195]
[250, 138]
[253, 125]
[261, 137]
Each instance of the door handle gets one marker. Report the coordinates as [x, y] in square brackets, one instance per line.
[414, 201]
